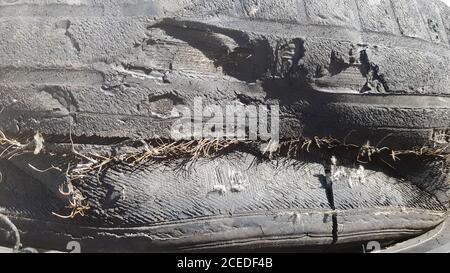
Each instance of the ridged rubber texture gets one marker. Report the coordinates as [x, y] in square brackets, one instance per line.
[270, 204]
[116, 69]
[113, 70]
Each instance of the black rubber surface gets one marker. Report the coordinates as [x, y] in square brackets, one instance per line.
[108, 73]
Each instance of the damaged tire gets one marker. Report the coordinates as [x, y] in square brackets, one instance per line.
[364, 120]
